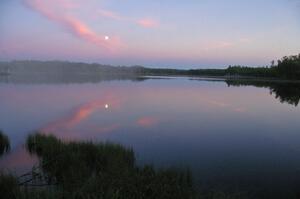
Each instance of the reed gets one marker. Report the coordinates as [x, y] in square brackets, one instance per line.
[100, 170]
[4, 143]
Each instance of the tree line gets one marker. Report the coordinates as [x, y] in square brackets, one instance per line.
[287, 68]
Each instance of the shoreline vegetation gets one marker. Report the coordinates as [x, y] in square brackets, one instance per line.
[92, 170]
[287, 69]
[102, 170]
[4, 144]
[88, 170]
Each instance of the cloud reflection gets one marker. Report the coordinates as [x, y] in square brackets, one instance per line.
[18, 159]
[232, 107]
[68, 123]
[147, 121]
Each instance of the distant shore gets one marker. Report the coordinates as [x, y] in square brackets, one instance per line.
[287, 70]
[223, 78]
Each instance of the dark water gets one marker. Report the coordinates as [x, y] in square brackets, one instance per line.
[233, 135]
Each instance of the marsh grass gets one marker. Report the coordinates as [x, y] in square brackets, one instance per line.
[87, 170]
[102, 170]
[4, 143]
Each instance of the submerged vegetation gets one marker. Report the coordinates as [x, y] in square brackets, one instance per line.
[88, 170]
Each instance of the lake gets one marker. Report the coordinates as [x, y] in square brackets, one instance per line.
[233, 135]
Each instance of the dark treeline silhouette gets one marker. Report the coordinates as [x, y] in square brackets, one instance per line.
[287, 92]
[289, 67]
[231, 71]
[191, 72]
[266, 72]
[286, 68]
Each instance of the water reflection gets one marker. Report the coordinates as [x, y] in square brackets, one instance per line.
[147, 121]
[18, 158]
[287, 92]
[72, 78]
[233, 137]
[66, 124]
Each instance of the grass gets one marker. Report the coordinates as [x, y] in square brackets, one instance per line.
[86, 170]
[89, 170]
[4, 143]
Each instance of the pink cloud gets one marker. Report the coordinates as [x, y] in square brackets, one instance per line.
[57, 11]
[110, 14]
[146, 121]
[148, 23]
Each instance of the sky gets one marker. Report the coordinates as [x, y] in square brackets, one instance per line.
[153, 33]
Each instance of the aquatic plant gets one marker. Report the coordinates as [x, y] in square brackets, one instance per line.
[8, 186]
[4, 143]
[103, 170]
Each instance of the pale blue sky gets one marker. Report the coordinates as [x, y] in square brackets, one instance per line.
[181, 34]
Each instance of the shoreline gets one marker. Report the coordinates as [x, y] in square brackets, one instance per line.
[158, 76]
[223, 78]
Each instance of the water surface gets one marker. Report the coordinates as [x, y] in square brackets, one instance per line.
[233, 135]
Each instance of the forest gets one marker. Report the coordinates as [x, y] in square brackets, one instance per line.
[286, 68]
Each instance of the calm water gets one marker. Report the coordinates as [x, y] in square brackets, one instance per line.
[237, 135]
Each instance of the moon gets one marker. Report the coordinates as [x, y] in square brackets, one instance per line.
[106, 37]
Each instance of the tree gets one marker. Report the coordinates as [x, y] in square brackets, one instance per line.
[289, 67]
